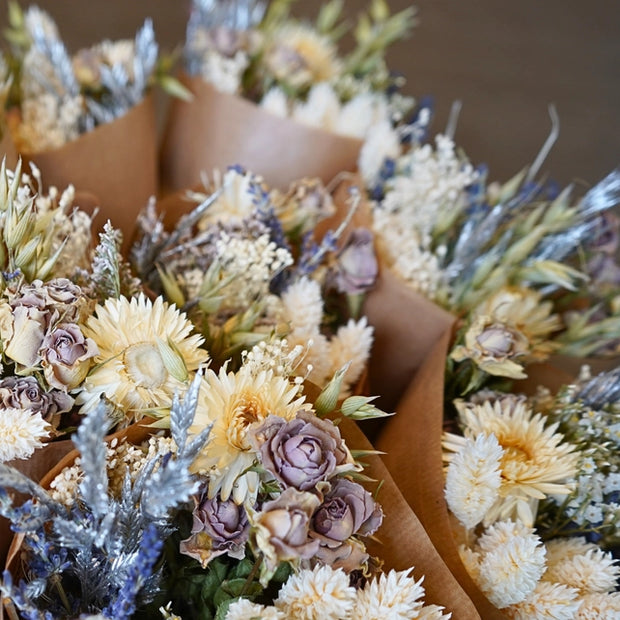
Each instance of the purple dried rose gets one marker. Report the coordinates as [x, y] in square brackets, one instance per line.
[347, 509]
[220, 527]
[282, 526]
[301, 452]
[67, 356]
[357, 263]
[26, 393]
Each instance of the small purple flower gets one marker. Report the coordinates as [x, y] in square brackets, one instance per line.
[220, 527]
[67, 356]
[302, 452]
[357, 263]
[26, 393]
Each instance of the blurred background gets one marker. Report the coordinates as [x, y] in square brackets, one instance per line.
[505, 61]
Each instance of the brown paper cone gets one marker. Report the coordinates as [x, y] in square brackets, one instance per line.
[116, 162]
[412, 442]
[36, 467]
[407, 325]
[403, 541]
[217, 130]
[8, 150]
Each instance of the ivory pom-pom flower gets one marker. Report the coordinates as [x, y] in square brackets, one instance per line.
[21, 432]
[512, 563]
[599, 607]
[233, 402]
[146, 350]
[395, 596]
[319, 594]
[243, 609]
[473, 479]
[548, 600]
[535, 461]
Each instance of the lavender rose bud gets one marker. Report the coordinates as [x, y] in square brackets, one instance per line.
[220, 527]
[281, 529]
[347, 509]
[26, 393]
[67, 356]
[357, 263]
[302, 452]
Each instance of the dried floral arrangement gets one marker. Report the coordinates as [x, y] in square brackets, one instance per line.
[533, 485]
[293, 68]
[59, 96]
[246, 266]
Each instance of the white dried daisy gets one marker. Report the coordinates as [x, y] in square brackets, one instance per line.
[599, 607]
[318, 594]
[510, 571]
[473, 479]
[146, 352]
[394, 596]
[233, 402]
[548, 600]
[536, 462]
[351, 345]
[244, 610]
[21, 432]
[594, 571]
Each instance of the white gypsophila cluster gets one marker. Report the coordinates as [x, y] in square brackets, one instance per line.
[509, 561]
[426, 191]
[225, 73]
[274, 355]
[473, 479]
[121, 457]
[48, 122]
[323, 109]
[21, 433]
[253, 263]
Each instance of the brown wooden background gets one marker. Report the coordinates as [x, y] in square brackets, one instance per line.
[505, 60]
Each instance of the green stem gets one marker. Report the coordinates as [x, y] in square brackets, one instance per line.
[251, 576]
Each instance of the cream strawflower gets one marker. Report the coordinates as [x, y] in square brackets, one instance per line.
[233, 402]
[548, 600]
[591, 572]
[535, 461]
[300, 56]
[599, 607]
[246, 610]
[146, 352]
[509, 572]
[394, 596]
[318, 594]
[21, 432]
[473, 478]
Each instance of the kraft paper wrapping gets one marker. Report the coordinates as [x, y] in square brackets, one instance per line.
[135, 434]
[216, 130]
[407, 325]
[412, 442]
[402, 541]
[115, 162]
[8, 150]
[36, 467]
